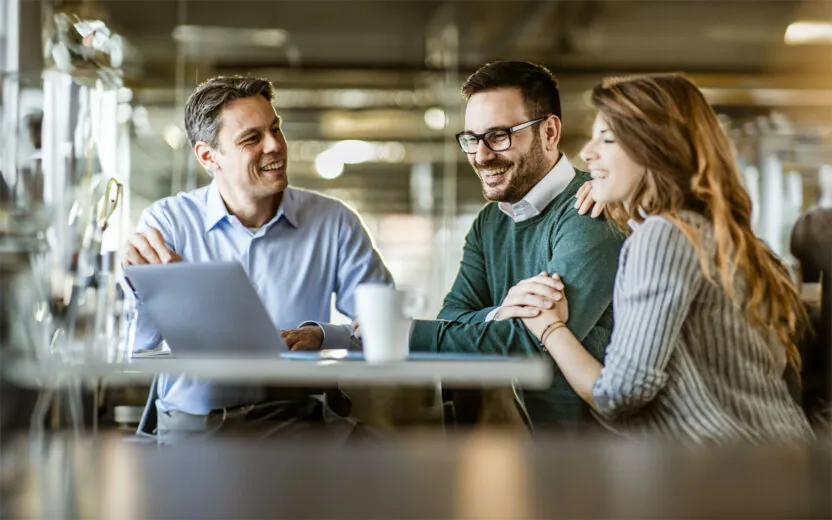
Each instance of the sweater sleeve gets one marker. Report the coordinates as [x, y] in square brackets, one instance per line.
[660, 278]
[585, 251]
[585, 255]
[469, 300]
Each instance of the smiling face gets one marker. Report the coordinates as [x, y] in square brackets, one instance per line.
[508, 175]
[615, 176]
[250, 157]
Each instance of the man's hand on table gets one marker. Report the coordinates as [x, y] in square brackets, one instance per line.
[148, 247]
[356, 329]
[308, 337]
[531, 296]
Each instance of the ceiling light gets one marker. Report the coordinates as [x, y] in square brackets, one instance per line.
[239, 36]
[353, 151]
[329, 165]
[435, 118]
[802, 33]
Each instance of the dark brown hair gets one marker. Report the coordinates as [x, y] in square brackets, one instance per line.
[537, 85]
[202, 110]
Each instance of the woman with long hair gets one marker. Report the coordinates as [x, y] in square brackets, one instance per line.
[706, 317]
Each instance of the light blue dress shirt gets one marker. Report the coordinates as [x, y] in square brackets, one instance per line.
[313, 248]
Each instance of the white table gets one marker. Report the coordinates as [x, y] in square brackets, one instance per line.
[528, 372]
[52, 377]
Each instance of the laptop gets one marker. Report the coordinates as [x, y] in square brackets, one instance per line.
[206, 309]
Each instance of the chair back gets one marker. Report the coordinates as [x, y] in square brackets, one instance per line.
[811, 245]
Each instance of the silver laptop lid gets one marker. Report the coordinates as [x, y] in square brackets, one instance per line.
[206, 309]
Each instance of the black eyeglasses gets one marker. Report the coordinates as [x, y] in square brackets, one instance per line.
[498, 140]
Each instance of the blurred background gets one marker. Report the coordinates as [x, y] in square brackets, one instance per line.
[91, 133]
[369, 92]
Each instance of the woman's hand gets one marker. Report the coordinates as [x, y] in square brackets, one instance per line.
[529, 297]
[558, 313]
[584, 201]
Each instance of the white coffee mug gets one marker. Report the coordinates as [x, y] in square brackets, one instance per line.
[384, 317]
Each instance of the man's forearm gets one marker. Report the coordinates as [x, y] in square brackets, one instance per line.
[507, 337]
[464, 315]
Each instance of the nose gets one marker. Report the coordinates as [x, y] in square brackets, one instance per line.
[588, 152]
[484, 153]
[272, 143]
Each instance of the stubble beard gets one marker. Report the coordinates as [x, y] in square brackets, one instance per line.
[528, 170]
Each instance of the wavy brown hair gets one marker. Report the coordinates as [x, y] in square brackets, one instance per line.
[664, 123]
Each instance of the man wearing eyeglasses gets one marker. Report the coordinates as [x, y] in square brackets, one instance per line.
[511, 136]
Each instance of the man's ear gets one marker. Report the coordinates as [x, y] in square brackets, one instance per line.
[205, 155]
[551, 129]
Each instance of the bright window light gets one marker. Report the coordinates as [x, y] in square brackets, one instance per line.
[802, 33]
[329, 164]
[353, 151]
[174, 137]
[435, 118]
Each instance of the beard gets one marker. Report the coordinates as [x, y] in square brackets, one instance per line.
[526, 172]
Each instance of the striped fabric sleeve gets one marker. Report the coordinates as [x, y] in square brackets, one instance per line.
[660, 277]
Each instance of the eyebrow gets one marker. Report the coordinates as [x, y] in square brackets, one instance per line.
[489, 129]
[249, 131]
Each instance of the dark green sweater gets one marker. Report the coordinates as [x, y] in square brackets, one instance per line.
[498, 254]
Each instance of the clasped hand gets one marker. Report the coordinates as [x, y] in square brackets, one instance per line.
[539, 301]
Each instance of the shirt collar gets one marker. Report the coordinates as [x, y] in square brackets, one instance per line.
[288, 208]
[633, 223]
[217, 211]
[542, 193]
[215, 207]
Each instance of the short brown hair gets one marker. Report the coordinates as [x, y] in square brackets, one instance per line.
[202, 110]
[535, 82]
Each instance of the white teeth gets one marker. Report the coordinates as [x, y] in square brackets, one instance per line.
[489, 173]
[273, 166]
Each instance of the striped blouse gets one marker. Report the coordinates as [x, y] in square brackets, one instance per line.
[683, 360]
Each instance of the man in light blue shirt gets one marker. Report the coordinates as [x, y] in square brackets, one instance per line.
[297, 247]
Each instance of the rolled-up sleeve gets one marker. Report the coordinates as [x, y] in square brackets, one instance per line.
[359, 262]
[146, 335]
[659, 279]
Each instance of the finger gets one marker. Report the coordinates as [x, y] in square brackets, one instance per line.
[532, 300]
[132, 257]
[304, 342]
[536, 296]
[519, 312]
[144, 249]
[157, 242]
[597, 210]
[356, 329]
[582, 193]
[532, 284]
[586, 205]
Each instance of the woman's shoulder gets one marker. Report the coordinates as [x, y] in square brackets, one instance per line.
[657, 234]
